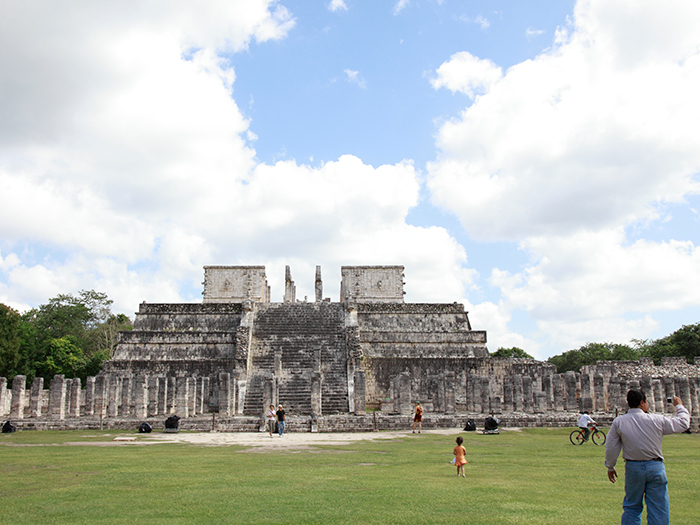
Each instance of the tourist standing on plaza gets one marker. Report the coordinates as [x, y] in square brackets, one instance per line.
[460, 456]
[271, 419]
[584, 423]
[418, 418]
[280, 420]
[639, 435]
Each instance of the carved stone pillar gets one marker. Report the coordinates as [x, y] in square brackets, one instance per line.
[89, 396]
[140, 397]
[599, 389]
[518, 392]
[153, 393]
[359, 393]
[225, 394]
[74, 410]
[19, 386]
[57, 397]
[571, 400]
[183, 390]
[35, 397]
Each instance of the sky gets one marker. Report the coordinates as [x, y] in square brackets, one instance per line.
[536, 161]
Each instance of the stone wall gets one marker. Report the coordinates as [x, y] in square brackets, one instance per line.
[372, 284]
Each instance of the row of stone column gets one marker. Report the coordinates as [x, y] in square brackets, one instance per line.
[574, 392]
[137, 396]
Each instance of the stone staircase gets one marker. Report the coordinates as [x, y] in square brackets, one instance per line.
[309, 339]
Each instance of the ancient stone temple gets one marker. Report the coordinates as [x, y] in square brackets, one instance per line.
[329, 363]
[237, 352]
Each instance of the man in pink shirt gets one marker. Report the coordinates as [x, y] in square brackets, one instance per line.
[639, 435]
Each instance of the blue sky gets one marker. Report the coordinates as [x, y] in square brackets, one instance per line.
[536, 161]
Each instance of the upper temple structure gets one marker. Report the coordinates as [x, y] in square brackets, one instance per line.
[237, 352]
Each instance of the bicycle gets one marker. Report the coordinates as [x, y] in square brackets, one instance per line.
[577, 437]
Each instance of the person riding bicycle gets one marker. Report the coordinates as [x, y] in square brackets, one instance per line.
[584, 423]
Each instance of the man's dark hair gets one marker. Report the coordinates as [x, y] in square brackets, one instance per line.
[635, 398]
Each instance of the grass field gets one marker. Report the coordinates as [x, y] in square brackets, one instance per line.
[535, 476]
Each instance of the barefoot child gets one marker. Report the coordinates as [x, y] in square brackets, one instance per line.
[459, 453]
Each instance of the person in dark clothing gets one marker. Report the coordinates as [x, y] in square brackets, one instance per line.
[280, 420]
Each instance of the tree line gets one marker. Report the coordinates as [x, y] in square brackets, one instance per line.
[70, 335]
[684, 342]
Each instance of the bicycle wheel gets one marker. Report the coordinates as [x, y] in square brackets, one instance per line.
[576, 437]
[599, 437]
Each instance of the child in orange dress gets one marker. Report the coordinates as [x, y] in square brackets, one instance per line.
[459, 453]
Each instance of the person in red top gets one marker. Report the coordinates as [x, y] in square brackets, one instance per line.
[418, 418]
[460, 460]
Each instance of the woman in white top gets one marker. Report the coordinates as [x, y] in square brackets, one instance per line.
[271, 419]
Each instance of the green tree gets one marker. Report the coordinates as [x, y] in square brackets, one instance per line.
[69, 335]
[684, 342]
[10, 356]
[511, 352]
[64, 356]
[590, 353]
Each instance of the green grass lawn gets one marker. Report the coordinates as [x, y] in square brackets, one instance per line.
[534, 476]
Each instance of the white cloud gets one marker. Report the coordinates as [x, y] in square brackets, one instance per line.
[466, 73]
[354, 77]
[400, 5]
[337, 5]
[565, 151]
[479, 20]
[531, 32]
[132, 168]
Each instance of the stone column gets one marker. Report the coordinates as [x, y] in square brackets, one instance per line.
[57, 397]
[587, 401]
[527, 394]
[191, 396]
[624, 388]
[4, 394]
[614, 393]
[450, 403]
[359, 394]
[571, 401]
[540, 402]
[35, 397]
[125, 409]
[113, 396]
[669, 390]
[183, 402]
[153, 393]
[140, 397]
[472, 393]
[238, 388]
[485, 395]
[19, 387]
[548, 392]
[402, 396]
[225, 394]
[162, 404]
[558, 391]
[599, 389]
[90, 396]
[507, 396]
[646, 387]
[693, 385]
[75, 398]
[172, 395]
[518, 392]
[316, 404]
[206, 394]
[199, 396]
[101, 391]
[683, 389]
[658, 389]
[319, 285]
